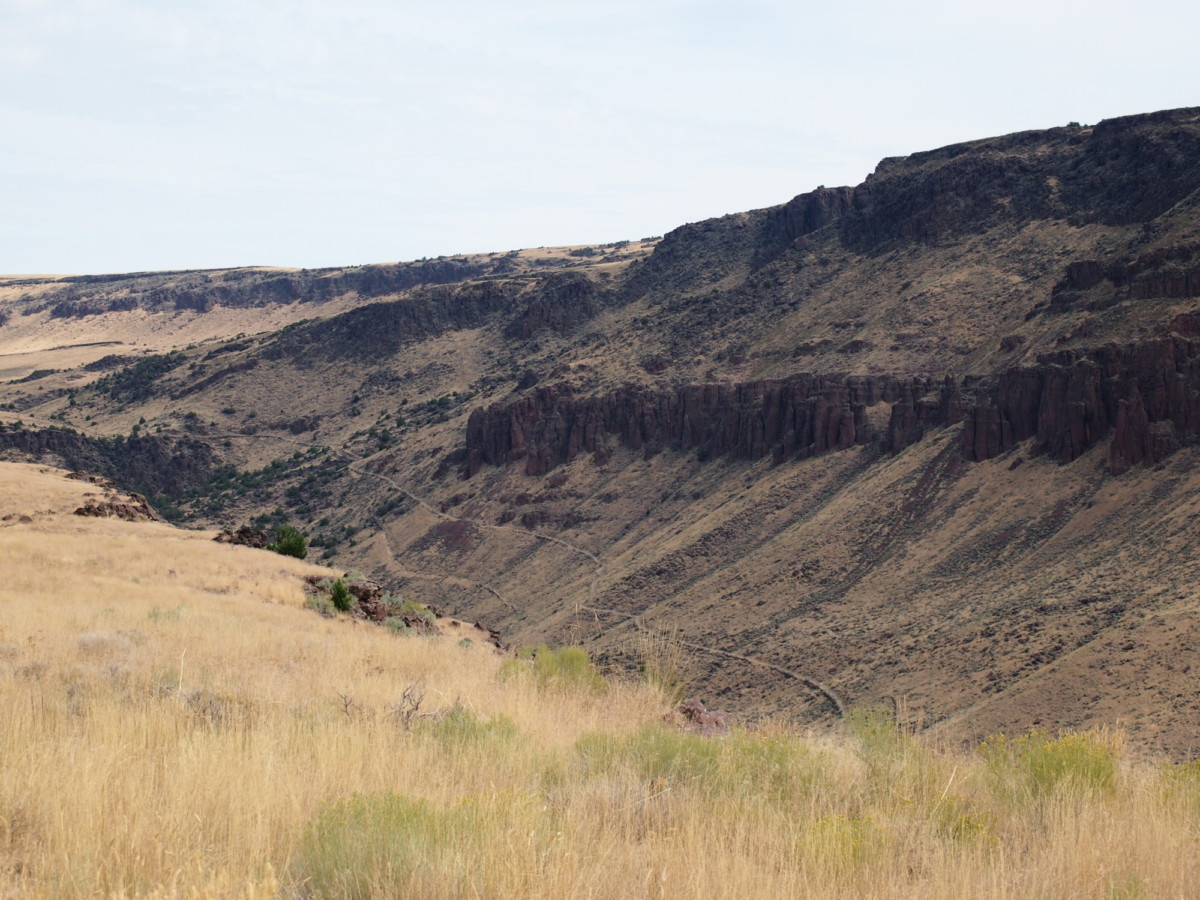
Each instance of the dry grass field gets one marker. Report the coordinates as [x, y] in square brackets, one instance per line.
[174, 723]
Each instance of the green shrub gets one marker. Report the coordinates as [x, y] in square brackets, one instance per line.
[319, 603]
[567, 668]
[289, 542]
[653, 752]
[460, 726]
[340, 596]
[961, 820]
[412, 608]
[758, 768]
[875, 731]
[371, 845]
[397, 626]
[1037, 764]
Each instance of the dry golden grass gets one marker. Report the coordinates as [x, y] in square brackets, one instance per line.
[173, 723]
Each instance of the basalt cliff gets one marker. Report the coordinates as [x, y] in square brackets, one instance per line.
[1141, 400]
[926, 441]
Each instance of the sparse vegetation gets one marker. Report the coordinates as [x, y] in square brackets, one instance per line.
[1037, 763]
[36, 375]
[851, 453]
[136, 382]
[193, 740]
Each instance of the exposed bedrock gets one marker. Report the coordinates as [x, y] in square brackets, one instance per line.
[1147, 396]
[1122, 171]
[1169, 273]
[379, 330]
[1144, 397]
[789, 225]
[800, 416]
[561, 303]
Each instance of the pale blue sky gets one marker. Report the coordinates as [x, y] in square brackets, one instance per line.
[151, 135]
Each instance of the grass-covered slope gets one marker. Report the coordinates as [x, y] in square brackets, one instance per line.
[177, 724]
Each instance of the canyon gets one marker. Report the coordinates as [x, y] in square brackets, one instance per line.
[928, 441]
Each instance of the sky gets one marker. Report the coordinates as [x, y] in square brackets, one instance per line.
[212, 133]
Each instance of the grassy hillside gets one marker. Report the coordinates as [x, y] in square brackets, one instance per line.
[177, 724]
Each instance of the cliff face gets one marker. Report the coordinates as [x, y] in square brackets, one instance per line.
[802, 416]
[1123, 171]
[789, 225]
[560, 304]
[556, 302]
[1168, 273]
[1145, 396]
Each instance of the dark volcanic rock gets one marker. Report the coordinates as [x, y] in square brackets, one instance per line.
[131, 508]
[560, 303]
[1169, 273]
[116, 504]
[379, 330]
[1146, 395]
[788, 226]
[370, 599]
[244, 536]
[1070, 400]
[801, 416]
[1123, 171]
[700, 720]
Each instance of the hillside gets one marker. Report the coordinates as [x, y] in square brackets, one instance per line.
[925, 440]
[177, 724]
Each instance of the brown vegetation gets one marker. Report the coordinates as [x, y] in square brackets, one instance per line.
[178, 725]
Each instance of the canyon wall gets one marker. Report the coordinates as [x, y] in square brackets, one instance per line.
[1145, 397]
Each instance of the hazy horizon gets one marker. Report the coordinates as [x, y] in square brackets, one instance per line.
[158, 136]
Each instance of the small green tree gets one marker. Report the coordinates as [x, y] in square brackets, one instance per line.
[341, 596]
[289, 542]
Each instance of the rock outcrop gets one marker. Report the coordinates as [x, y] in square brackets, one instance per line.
[1123, 171]
[560, 304]
[801, 416]
[115, 503]
[372, 332]
[243, 537]
[698, 719]
[1169, 273]
[1146, 396]
[789, 225]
